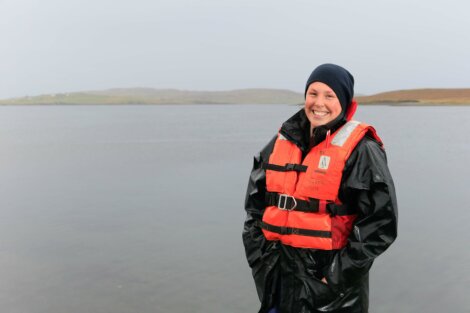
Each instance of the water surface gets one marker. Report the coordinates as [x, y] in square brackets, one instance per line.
[140, 208]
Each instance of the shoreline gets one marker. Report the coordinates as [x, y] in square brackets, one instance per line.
[148, 96]
[393, 104]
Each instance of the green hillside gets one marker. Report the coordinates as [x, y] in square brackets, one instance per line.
[164, 96]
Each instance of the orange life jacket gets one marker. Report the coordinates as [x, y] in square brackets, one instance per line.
[303, 209]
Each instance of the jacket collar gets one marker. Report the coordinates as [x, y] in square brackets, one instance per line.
[297, 129]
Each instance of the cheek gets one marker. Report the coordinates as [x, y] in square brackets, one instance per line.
[336, 109]
[307, 105]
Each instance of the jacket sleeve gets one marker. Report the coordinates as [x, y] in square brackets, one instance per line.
[254, 241]
[368, 186]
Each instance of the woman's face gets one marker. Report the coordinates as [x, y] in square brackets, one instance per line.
[321, 104]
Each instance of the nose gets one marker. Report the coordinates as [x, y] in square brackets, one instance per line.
[319, 101]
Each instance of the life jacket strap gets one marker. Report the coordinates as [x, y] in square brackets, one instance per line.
[284, 168]
[289, 203]
[294, 231]
[340, 209]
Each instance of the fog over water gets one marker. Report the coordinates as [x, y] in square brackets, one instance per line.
[56, 46]
[140, 208]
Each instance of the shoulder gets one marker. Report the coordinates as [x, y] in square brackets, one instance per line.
[368, 148]
[268, 148]
[367, 164]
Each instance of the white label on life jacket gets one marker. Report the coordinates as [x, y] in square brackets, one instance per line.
[281, 137]
[344, 133]
[324, 162]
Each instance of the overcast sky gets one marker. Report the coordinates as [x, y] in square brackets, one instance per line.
[50, 46]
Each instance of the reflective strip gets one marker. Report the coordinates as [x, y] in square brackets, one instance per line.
[281, 137]
[344, 133]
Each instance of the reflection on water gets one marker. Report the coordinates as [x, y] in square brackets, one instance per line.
[140, 208]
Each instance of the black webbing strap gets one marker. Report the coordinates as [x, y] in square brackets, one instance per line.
[339, 209]
[284, 168]
[289, 203]
[294, 231]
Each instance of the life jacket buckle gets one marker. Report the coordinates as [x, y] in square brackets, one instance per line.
[283, 201]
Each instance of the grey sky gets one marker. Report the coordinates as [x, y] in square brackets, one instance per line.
[49, 46]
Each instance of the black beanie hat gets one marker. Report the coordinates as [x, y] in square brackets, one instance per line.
[338, 79]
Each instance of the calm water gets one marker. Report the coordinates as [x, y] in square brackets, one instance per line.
[140, 208]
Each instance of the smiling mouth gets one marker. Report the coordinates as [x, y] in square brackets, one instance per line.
[320, 113]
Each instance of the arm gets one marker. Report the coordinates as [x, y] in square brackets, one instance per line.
[253, 238]
[368, 186]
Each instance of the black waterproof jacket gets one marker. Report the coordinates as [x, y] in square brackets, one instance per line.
[289, 278]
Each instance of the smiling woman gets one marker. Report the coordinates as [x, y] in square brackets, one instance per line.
[320, 204]
[321, 104]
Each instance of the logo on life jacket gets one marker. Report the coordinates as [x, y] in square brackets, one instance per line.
[324, 162]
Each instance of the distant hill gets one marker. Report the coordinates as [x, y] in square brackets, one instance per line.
[241, 96]
[419, 96]
[165, 96]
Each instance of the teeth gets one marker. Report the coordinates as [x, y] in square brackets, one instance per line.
[320, 113]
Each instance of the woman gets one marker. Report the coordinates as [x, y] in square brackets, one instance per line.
[320, 204]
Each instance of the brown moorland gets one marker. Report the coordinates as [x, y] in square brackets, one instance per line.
[420, 96]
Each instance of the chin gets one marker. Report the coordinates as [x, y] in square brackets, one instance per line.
[316, 123]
